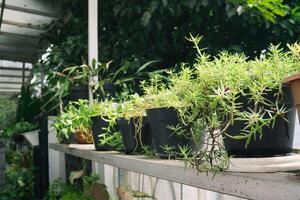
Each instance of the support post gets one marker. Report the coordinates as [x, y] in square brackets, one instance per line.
[23, 73]
[43, 157]
[92, 41]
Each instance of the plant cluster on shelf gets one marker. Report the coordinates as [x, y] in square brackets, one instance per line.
[84, 186]
[222, 106]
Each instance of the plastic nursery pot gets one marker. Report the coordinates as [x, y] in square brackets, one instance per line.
[79, 92]
[275, 141]
[131, 140]
[294, 82]
[83, 137]
[97, 130]
[160, 120]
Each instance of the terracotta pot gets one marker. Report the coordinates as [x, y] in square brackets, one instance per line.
[83, 137]
[294, 82]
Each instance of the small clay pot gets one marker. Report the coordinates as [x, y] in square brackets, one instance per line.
[83, 137]
[294, 82]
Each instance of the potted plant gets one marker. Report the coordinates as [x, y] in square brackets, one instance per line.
[106, 135]
[244, 101]
[132, 122]
[162, 113]
[75, 121]
[294, 80]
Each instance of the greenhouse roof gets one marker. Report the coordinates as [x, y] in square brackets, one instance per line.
[21, 23]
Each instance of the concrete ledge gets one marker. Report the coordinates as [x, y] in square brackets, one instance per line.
[266, 186]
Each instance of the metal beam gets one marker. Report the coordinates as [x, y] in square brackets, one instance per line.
[10, 82]
[19, 50]
[23, 25]
[24, 47]
[28, 45]
[12, 76]
[31, 11]
[23, 73]
[19, 36]
[16, 58]
[9, 93]
[14, 69]
[2, 11]
[10, 88]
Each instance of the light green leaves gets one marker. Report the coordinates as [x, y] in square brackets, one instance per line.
[146, 18]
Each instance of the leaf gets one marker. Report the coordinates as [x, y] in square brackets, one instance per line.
[146, 18]
[124, 194]
[75, 175]
[142, 195]
[165, 3]
[97, 191]
[189, 3]
[146, 65]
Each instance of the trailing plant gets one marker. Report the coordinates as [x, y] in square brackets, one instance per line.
[220, 83]
[207, 98]
[107, 110]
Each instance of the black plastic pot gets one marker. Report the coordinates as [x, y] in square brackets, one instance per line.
[97, 130]
[79, 92]
[275, 141]
[131, 140]
[160, 120]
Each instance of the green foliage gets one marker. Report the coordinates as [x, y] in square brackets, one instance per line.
[17, 129]
[82, 187]
[28, 102]
[8, 112]
[207, 95]
[19, 176]
[127, 28]
[76, 117]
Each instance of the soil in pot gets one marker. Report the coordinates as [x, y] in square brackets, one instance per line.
[132, 141]
[97, 130]
[275, 141]
[160, 120]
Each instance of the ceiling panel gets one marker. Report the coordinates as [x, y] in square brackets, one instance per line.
[17, 29]
[8, 39]
[47, 6]
[10, 86]
[20, 29]
[12, 80]
[26, 18]
[13, 73]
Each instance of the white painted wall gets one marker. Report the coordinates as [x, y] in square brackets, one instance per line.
[56, 159]
[297, 133]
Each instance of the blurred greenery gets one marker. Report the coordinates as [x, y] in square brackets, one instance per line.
[134, 32]
[8, 108]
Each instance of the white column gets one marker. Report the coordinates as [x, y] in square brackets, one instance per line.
[93, 39]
